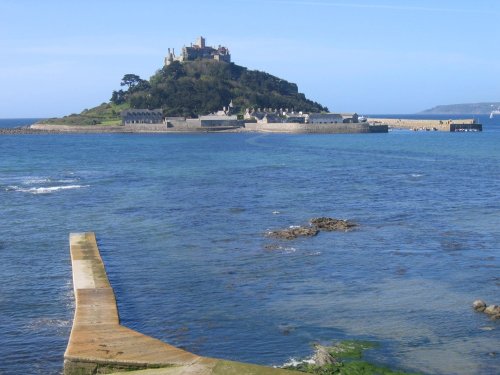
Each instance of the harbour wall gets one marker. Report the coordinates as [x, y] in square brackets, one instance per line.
[426, 124]
[316, 128]
[194, 126]
[99, 344]
[171, 126]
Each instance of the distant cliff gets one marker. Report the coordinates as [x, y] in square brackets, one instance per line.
[195, 88]
[461, 109]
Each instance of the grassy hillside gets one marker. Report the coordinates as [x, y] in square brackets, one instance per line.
[104, 114]
[195, 88]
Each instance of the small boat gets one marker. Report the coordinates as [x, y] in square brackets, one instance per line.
[495, 112]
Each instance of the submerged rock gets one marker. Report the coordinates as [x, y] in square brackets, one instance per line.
[294, 232]
[479, 305]
[331, 224]
[272, 246]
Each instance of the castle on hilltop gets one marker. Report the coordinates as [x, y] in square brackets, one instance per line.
[199, 51]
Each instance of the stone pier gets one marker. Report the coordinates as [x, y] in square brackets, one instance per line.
[455, 125]
[99, 344]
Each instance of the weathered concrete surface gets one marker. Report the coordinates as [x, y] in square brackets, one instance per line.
[98, 344]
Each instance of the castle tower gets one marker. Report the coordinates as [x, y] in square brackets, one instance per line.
[169, 58]
[200, 42]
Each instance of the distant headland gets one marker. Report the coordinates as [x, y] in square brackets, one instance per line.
[461, 109]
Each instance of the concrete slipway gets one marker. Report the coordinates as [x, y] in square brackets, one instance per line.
[99, 344]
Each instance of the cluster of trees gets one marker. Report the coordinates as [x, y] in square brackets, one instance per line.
[204, 86]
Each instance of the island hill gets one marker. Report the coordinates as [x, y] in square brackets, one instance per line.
[202, 90]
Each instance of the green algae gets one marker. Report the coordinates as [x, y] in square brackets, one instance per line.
[348, 355]
[350, 349]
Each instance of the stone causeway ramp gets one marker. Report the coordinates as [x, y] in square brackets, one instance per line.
[99, 344]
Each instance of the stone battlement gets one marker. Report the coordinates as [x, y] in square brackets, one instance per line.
[199, 51]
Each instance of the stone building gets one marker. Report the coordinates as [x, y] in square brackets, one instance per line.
[350, 117]
[269, 115]
[142, 116]
[332, 118]
[199, 51]
[325, 118]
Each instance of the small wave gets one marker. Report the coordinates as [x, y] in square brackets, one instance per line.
[276, 212]
[45, 190]
[416, 175]
[35, 180]
[283, 249]
[314, 254]
[295, 362]
[38, 323]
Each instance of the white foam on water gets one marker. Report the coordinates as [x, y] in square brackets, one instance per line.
[45, 190]
[35, 180]
[66, 180]
[416, 175]
[276, 212]
[314, 253]
[296, 362]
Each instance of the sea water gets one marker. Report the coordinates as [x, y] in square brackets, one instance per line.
[181, 220]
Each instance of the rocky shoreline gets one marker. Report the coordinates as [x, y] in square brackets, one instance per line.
[25, 130]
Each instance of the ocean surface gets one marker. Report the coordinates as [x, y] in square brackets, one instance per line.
[181, 221]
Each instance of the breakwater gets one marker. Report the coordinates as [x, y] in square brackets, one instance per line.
[193, 127]
[429, 124]
[316, 128]
[99, 344]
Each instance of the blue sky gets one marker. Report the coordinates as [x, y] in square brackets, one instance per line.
[379, 56]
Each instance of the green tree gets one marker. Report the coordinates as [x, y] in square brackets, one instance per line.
[118, 97]
[130, 80]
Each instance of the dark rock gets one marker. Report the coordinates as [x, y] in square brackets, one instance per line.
[479, 305]
[331, 224]
[294, 232]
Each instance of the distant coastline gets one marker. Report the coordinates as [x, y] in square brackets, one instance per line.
[462, 109]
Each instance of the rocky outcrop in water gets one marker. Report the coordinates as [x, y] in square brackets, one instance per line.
[492, 310]
[330, 224]
[316, 224]
[293, 232]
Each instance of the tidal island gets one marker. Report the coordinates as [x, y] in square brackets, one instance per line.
[202, 90]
